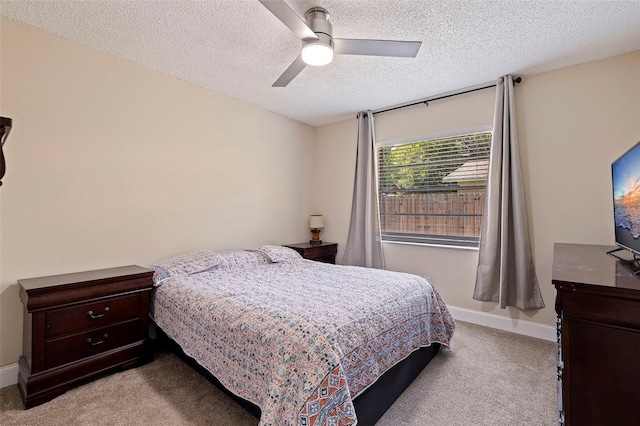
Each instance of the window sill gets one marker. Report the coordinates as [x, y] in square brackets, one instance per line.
[442, 246]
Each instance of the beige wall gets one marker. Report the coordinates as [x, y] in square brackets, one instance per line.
[110, 163]
[572, 123]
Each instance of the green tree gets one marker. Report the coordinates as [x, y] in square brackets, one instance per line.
[420, 166]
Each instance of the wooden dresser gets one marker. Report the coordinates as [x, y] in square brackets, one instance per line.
[78, 326]
[322, 252]
[598, 307]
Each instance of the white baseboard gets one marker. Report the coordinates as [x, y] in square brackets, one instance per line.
[8, 375]
[514, 325]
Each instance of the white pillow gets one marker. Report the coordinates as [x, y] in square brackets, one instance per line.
[185, 264]
[278, 254]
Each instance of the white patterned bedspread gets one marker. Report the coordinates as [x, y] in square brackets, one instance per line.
[300, 339]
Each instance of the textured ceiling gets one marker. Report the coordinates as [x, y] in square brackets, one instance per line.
[238, 48]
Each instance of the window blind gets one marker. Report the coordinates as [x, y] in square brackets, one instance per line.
[432, 191]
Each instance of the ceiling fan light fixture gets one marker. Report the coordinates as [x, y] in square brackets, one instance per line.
[317, 54]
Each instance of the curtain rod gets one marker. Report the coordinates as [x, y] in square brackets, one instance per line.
[443, 96]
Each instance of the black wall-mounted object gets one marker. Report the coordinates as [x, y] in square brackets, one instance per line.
[5, 128]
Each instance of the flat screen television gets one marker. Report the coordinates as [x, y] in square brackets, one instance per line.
[625, 176]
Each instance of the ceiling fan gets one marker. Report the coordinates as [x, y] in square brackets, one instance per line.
[319, 46]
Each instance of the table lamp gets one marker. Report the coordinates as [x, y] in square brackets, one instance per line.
[316, 223]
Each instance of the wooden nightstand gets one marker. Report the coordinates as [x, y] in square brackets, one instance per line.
[78, 326]
[323, 252]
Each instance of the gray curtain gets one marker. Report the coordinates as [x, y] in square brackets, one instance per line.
[506, 273]
[364, 243]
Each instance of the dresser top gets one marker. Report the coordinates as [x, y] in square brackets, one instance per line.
[34, 285]
[589, 264]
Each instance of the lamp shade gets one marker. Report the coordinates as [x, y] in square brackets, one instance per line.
[316, 221]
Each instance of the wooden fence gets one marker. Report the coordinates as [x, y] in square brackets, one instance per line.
[458, 214]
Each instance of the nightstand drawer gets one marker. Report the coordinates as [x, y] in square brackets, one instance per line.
[75, 347]
[326, 258]
[320, 252]
[92, 315]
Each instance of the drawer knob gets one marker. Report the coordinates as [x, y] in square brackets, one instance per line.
[104, 312]
[92, 343]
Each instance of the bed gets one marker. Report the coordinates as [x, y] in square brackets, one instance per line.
[303, 341]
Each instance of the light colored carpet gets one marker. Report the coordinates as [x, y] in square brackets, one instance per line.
[489, 377]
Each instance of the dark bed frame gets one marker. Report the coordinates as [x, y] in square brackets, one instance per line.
[370, 405]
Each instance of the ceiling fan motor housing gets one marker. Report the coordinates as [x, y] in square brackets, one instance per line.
[318, 20]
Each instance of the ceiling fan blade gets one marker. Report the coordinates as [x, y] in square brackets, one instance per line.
[347, 46]
[283, 12]
[290, 73]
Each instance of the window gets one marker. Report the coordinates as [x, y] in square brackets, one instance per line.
[433, 191]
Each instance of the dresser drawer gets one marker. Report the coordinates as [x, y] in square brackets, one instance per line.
[92, 315]
[603, 309]
[77, 346]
